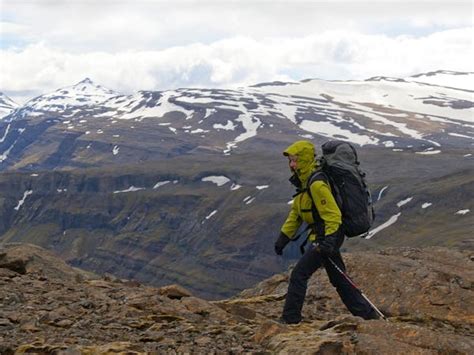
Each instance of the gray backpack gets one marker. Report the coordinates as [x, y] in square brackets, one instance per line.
[340, 168]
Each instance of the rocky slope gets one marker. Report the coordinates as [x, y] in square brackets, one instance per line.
[49, 307]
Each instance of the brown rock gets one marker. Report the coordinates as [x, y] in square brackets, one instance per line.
[203, 341]
[267, 330]
[7, 273]
[174, 292]
[39, 348]
[239, 310]
[203, 308]
[427, 293]
[111, 348]
[64, 323]
[5, 324]
[342, 324]
[16, 265]
[30, 326]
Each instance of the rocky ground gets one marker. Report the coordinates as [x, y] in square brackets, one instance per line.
[49, 307]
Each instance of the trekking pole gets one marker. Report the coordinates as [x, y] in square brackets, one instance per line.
[357, 288]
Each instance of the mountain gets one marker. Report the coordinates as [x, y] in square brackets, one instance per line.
[446, 78]
[7, 105]
[65, 101]
[49, 307]
[189, 186]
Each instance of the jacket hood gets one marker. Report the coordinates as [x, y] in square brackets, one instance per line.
[306, 162]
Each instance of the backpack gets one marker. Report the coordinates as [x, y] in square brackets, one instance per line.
[340, 168]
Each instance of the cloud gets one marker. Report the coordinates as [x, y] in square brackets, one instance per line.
[120, 25]
[238, 61]
[164, 44]
[10, 28]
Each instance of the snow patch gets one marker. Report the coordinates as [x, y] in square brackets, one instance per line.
[463, 212]
[388, 223]
[22, 201]
[235, 186]
[229, 126]
[199, 130]
[218, 180]
[5, 134]
[116, 149]
[161, 183]
[211, 214]
[381, 192]
[328, 129]
[130, 189]
[209, 112]
[261, 187]
[426, 205]
[460, 135]
[404, 202]
[429, 152]
[249, 201]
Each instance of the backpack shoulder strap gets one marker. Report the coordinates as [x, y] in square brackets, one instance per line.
[319, 225]
[317, 175]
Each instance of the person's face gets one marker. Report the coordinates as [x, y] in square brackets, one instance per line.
[292, 161]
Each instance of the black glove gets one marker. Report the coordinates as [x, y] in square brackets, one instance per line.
[330, 244]
[281, 243]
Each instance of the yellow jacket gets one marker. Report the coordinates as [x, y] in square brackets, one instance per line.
[301, 208]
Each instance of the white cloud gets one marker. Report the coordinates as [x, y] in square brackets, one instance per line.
[158, 45]
[118, 25]
[238, 61]
[10, 28]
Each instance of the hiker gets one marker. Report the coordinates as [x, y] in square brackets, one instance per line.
[326, 236]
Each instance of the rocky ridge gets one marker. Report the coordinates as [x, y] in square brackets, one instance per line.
[50, 307]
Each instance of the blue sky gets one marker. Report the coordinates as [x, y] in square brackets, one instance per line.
[164, 44]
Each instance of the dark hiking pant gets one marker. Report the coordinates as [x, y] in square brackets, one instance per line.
[311, 261]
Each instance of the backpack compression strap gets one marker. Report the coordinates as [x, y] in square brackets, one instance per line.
[318, 227]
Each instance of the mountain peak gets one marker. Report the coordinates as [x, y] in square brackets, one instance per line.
[86, 81]
[88, 87]
[88, 84]
[7, 105]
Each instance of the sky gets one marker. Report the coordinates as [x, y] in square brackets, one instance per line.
[131, 45]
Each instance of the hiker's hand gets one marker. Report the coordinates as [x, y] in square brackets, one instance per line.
[326, 247]
[329, 244]
[281, 243]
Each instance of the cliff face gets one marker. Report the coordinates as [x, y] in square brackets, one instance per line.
[168, 222]
[49, 307]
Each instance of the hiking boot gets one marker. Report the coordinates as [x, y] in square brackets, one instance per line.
[372, 315]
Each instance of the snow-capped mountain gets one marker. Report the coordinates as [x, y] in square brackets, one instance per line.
[396, 113]
[82, 97]
[7, 105]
